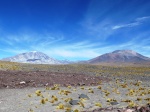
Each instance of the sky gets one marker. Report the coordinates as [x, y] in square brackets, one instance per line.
[74, 29]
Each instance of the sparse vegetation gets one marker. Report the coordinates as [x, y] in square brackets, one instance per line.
[127, 85]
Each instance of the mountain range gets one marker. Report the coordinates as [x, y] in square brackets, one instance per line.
[118, 56]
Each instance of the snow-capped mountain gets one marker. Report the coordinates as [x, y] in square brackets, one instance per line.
[33, 57]
[120, 56]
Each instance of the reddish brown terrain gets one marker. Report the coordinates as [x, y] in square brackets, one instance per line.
[20, 79]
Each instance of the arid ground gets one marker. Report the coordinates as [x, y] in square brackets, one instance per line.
[73, 88]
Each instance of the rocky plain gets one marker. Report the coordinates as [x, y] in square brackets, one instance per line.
[74, 88]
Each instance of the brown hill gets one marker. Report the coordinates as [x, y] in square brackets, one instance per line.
[120, 56]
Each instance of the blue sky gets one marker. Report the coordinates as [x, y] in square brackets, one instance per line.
[74, 29]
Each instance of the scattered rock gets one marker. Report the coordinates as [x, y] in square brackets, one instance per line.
[81, 84]
[74, 102]
[114, 103]
[22, 82]
[84, 96]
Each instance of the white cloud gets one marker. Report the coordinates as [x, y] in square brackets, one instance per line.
[25, 39]
[67, 53]
[83, 49]
[49, 41]
[16, 39]
[137, 22]
[55, 46]
[14, 51]
[101, 30]
[60, 48]
[126, 25]
[95, 23]
[143, 18]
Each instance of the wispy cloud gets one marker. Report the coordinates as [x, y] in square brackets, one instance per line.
[58, 47]
[134, 44]
[12, 40]
[92, 31]
[82, 50]
[143, 18]
[28, 40]
[137, 22]
[73, 50]
[73, 55]
[96, 22]
[14, 51]
[126, 25]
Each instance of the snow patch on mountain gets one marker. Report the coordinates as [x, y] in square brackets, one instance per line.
[33, 57]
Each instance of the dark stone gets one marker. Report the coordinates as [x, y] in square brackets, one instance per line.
[114, 103]
[74, 102]
[83, 96]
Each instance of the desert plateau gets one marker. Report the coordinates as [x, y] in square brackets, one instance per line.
[74, 88]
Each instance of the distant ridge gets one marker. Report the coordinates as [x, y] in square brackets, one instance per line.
[34, 57]
[120, 56]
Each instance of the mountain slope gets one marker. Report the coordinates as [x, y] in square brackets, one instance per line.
[127, 56]
[32, 57]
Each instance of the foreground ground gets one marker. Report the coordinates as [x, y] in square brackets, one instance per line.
[44, 88]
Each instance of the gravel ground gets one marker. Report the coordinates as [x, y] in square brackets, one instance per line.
[13, 79]
[26, 100]
[110, 91]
